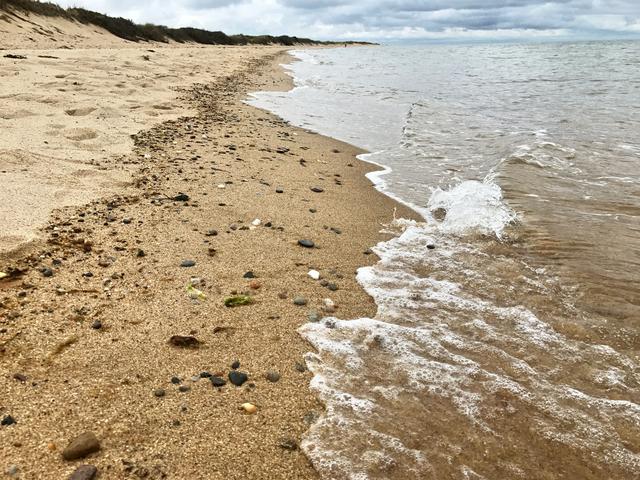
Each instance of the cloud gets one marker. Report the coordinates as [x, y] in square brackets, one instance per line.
[388, 19]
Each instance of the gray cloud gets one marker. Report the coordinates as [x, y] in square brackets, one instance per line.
[388, 19]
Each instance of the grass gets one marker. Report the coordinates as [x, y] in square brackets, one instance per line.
[128, 30]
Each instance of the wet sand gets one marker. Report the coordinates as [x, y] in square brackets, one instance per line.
[90, 305]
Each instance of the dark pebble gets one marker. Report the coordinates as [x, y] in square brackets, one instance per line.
[205, 375]
[181, 197]
[184, 388]
[176, 380]
[184, 342]
[431, 246]
[236, 364]
[333, 287]
[249, 275]
[188, 263]
[84, 472]
[237, 378]
[272, 376]
[317, 189]
[212, 233]
[96, 325]
[87, 274]
[7, 420]
[217, 381]
[20, 377]
[140, 253]
[306, 243]
[159, 392]
[279, 190]
[301, 367]
[288, 444]
[46, 272]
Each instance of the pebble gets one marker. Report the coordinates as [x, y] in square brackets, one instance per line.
[272, 376]
[332, 286]
[306, 243]
[301, 367]
[217, 381]
[314, 316]
[211, 233]
[328, 305]
[188, 263]
[7, 420]
[254, 285]
[12, 470]
[236, 364]
[279, 190]
[249, 275]
[84, 472]
[300, 301]
[159, 392]
[181, 197]
[20, 377]
[314, 274]
[237, 378]
[317, 189]
[256, 222]
[81, 446]
[96, 325]
[184, 388]
[184, 342]
[431, 246]
[140, 253]
[205, 375]
[176, 380]
[46, 272]
[249, 408]
[288, 444]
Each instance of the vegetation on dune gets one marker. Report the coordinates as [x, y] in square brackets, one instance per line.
[128, 30]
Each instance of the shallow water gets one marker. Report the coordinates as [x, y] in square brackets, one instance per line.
[506, 343]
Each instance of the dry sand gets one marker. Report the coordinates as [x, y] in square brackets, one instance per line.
[230, 159]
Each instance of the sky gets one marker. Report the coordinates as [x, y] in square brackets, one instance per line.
[390, 20]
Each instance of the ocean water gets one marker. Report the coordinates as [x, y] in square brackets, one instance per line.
[507, 339]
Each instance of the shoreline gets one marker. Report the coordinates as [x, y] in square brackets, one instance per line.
[116, 262]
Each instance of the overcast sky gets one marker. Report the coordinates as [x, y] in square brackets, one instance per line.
[389, 19]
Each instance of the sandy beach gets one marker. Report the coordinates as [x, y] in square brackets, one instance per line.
[139, 193]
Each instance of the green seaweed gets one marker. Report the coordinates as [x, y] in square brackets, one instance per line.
[237, 301]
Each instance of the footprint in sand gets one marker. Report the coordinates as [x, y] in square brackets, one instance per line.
[79, 134]
[79, 112]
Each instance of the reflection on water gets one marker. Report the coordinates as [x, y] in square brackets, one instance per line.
[507, 337]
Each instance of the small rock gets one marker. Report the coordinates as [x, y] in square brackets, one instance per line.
[439, 214]
[254, 284]
[81, 446]
[317, 189]
[188, 263]
[8, 420]
[184, 388]
[205, 375]
[211, 233]
[140, 253]
[332, 286]
[20, 377]
[12, 470]
[300, 301]
[431, 246]
[184, 341]
[328, 305]
[217, 381]
[272, 376]
[159, 392]
[96, 325]
[314, 274]
[176, 380]
[288, 444]
[237, 378]
[126, 221]
[314, 316]
[84, 472]
[301, 367]
[46, 272]
[306, 243]
[181, 197]
[235, 365]
[249, 408]
[249, 275]
[279, 190]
